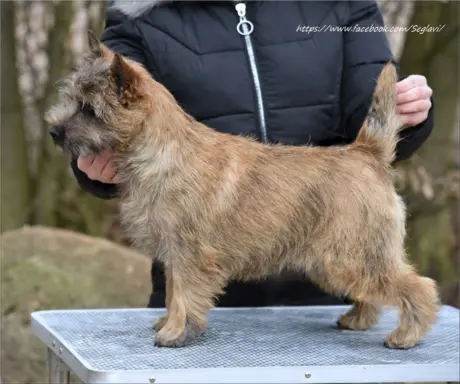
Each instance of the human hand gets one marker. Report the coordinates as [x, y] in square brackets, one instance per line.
[101, 168]
[413, 100]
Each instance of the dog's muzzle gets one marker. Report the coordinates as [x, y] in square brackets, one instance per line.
[58, 134]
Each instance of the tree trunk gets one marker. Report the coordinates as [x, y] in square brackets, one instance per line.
[96, 15]
[14, 176]
[60, 202]
[52, 164]
[435, 55]
[451, 291]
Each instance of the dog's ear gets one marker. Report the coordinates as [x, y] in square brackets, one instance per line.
[97, 49]
[93, 43]
[125, 79]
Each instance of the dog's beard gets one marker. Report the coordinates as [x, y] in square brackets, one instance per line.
[81, 149]
[84, 150]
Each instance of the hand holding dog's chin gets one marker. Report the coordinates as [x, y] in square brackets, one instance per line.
[100, 168]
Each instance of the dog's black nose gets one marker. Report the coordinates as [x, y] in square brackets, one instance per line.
[57, 134]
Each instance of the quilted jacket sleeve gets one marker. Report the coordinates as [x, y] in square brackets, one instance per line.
[365, 54]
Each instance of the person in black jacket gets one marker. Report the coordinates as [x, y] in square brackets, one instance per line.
[281, 71]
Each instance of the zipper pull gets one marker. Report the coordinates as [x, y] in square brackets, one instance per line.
[244, 27]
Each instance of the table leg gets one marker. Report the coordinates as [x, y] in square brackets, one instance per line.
[58, 377]
[58, 371]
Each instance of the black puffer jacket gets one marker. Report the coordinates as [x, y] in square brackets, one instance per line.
[280, 83]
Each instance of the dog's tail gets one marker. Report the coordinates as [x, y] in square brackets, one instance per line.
[379, 132]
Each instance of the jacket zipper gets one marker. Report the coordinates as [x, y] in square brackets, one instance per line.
[245, 28]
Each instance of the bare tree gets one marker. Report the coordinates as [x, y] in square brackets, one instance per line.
[15, 186]
[37, 184]
[51, 164]
[436, 55]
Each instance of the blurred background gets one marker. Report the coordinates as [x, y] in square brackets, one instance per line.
[63, 248]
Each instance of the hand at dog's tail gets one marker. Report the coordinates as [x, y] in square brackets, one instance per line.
[380, 130]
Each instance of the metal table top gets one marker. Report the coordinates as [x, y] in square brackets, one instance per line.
[257, 345]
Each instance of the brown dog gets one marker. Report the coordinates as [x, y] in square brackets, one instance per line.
[215, 207]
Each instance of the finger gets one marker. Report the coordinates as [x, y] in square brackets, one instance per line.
[414, 107]
[413, 119]
[414, 94]
[109, 172]
[410, 82]
[99, 163]
[84, 162]
[116, 179]
[404, 85]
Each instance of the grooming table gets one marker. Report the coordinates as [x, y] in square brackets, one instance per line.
[244, 345]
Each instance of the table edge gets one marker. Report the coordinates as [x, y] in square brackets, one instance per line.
[296, 374]
[344, 373]
[219, 309]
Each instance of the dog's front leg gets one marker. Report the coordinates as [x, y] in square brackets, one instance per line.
[180, 326]
[193, 286]
[161, 321]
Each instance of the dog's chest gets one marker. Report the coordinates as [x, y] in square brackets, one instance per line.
[142, 218]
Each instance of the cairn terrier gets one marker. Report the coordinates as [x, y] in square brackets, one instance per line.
[214, 207]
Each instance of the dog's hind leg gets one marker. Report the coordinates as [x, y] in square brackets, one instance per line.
[380, 276]
[393, 284]
[418, 304]
[360, 317]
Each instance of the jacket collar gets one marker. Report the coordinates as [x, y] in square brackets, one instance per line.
[134, 8]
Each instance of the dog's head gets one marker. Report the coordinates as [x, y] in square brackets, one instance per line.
[102, 104]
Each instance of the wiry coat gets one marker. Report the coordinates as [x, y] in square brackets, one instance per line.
[316, 87]
[213, 207]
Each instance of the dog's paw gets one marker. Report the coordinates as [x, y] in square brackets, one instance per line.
[400, 340]
[360, 317]
[355, 322]
[175, 338]
[159, 322]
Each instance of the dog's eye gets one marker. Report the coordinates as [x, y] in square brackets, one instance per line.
[88, 110]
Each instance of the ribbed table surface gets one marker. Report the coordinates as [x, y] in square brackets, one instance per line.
[123, 340]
